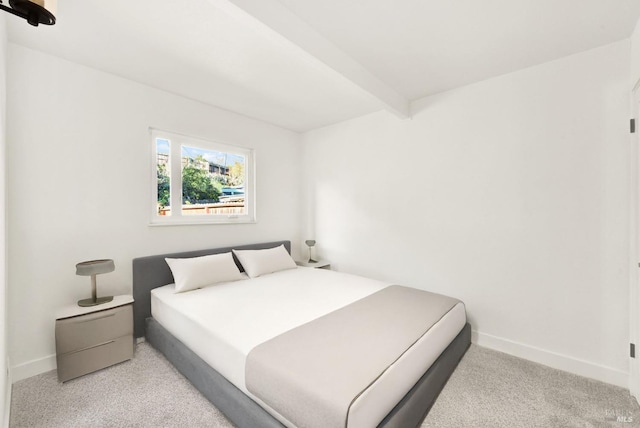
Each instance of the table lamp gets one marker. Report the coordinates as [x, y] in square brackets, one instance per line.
[310, 243]
[93, 268]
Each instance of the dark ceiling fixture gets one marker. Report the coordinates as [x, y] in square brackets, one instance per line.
[34, 11]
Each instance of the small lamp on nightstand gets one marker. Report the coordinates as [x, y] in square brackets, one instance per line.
[310, 243]
[93, 268]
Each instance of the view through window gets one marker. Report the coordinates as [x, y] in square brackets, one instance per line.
[208, 181]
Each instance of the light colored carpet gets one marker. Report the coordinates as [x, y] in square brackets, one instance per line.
[492, 389]
[488, 389]
[144, 392]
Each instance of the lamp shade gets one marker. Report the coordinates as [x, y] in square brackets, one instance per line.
[95, 267]
[35, 11]
[49, 5]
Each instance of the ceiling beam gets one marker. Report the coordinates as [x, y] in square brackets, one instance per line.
[272, 15]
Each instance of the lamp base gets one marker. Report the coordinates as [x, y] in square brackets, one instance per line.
[90, 302]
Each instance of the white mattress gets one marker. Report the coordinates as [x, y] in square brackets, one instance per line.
[224, 322]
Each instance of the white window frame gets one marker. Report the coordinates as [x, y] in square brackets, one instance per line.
[175, 166]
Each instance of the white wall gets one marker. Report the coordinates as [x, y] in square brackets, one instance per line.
[510, 194]
[635, 56]
[4, 381]
[79, 187]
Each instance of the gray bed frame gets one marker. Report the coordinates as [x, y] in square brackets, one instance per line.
[152, 272]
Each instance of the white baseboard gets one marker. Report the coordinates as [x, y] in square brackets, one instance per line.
[33, 367]
[552, 359]
[634, 382]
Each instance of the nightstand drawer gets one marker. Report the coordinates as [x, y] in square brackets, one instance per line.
[78, 363]
[84, 331]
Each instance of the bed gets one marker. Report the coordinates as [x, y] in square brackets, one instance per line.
[208, 358]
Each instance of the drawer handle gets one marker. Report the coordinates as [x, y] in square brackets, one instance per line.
[93, 319]
[91, 347]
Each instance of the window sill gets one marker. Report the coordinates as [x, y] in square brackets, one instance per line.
[202, 222]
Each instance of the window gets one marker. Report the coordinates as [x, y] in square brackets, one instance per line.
[197, 181]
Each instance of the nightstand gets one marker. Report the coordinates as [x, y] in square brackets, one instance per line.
[320, 264]
[95, 337]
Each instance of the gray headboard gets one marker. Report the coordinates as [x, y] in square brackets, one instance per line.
[152, 271]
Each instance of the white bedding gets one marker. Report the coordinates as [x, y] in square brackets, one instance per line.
[224, 322]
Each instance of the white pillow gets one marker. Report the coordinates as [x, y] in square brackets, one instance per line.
[197, 272]
[260, 262]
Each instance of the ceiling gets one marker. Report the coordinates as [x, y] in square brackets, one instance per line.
[303, 64]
